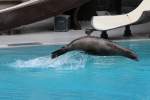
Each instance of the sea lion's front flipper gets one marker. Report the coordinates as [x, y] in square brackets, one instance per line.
[59, 52]
[83, 52]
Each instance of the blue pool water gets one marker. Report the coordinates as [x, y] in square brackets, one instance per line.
[30, 74]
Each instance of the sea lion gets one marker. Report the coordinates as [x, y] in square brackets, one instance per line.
[96, 46]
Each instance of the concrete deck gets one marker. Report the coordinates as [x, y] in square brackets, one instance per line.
[49, 37]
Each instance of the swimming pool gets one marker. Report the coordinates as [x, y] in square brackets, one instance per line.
[28, 73]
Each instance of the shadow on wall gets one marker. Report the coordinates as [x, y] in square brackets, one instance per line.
[9, 3]
[129, 5]
[111, 5]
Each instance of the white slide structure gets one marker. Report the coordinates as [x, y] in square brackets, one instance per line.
[140, 15]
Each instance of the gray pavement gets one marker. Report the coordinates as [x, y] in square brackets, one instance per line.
[47, 37]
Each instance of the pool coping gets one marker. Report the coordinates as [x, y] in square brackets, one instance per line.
[60, 38]
[31, 44]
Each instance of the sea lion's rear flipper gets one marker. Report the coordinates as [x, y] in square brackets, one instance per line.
[131, 55]
[123, 51]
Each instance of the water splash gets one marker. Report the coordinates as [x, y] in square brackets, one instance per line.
[69, 61]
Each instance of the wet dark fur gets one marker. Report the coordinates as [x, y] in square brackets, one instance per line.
[95, 46]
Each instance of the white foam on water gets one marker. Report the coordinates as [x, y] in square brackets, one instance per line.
[69, 61]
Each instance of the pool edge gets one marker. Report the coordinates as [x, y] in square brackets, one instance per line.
[30, 44]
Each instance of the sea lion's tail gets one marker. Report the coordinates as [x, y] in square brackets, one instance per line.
[131, 55]
[59, 52]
